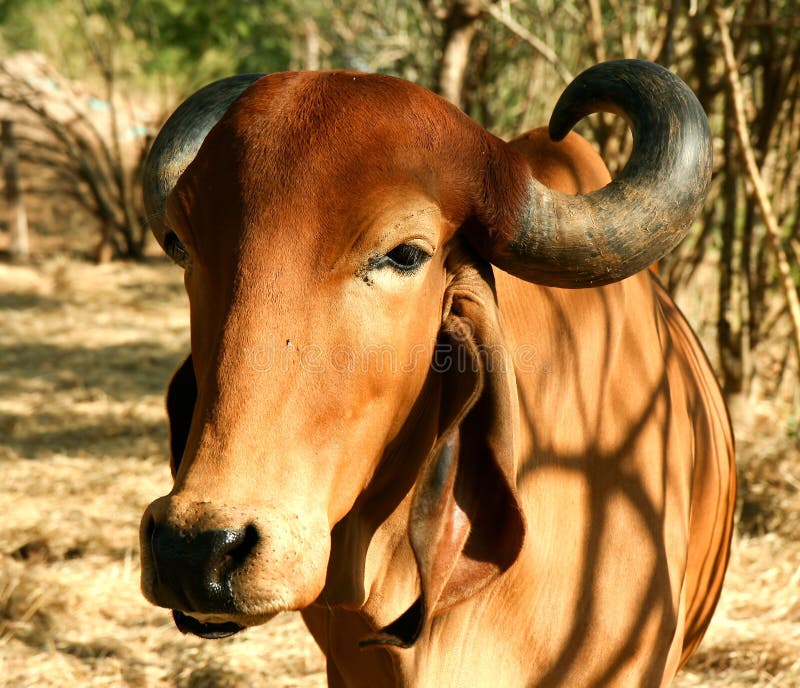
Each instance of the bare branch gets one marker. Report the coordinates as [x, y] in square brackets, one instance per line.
[537, 44]
[771, 223]
[460, 24]
[66, 137]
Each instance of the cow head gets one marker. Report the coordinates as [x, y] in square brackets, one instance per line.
[347, 361]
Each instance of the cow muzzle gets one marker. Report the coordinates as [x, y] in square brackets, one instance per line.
[221, 568]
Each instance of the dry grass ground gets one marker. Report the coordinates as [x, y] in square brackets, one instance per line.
[84, 356]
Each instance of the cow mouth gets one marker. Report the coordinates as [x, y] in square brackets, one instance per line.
[208, 630]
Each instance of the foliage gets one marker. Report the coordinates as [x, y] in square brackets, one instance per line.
[189, 43]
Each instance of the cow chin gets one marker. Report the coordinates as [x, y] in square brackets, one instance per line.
[243, 620]
[216, 626]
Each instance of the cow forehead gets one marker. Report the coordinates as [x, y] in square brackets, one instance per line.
[345, 110]
[324, 149]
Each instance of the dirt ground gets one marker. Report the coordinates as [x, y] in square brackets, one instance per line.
[85, 353]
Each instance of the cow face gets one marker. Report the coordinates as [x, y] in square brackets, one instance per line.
[315, 263]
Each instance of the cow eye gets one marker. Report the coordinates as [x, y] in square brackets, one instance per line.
[175, 249]
[405, 258]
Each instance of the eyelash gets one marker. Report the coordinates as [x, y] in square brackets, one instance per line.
[405, 259]
[175, 249]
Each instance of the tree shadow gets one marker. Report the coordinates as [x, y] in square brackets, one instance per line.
[607, 473]
[17, 300]
[119, 371]
[110, 435]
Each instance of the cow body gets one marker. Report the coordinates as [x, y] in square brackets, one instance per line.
[625, 470]
[552, 507]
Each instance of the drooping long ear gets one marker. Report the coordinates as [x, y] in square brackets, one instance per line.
[466, 525]
[181, 398]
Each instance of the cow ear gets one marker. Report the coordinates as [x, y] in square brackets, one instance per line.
[181, 398]
[466, 526]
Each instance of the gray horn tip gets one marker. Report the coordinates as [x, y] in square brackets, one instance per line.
[179, 140]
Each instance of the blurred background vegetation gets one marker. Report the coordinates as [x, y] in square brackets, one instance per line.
[85, 84]
[85, 351]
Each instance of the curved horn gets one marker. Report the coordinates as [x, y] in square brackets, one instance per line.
[607, 235]
[179, 140]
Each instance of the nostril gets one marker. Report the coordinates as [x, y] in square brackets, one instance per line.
[194, 570]
[148, 543]
[246, 544]
[149, 530]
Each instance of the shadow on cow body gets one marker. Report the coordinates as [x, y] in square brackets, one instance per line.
[551, 505]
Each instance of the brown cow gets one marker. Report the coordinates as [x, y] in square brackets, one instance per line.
[397, 420]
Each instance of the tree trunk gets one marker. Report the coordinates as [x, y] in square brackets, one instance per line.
[460, 25]
[736, 96]
[728, 333]
[18, 221]
[312, 45]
